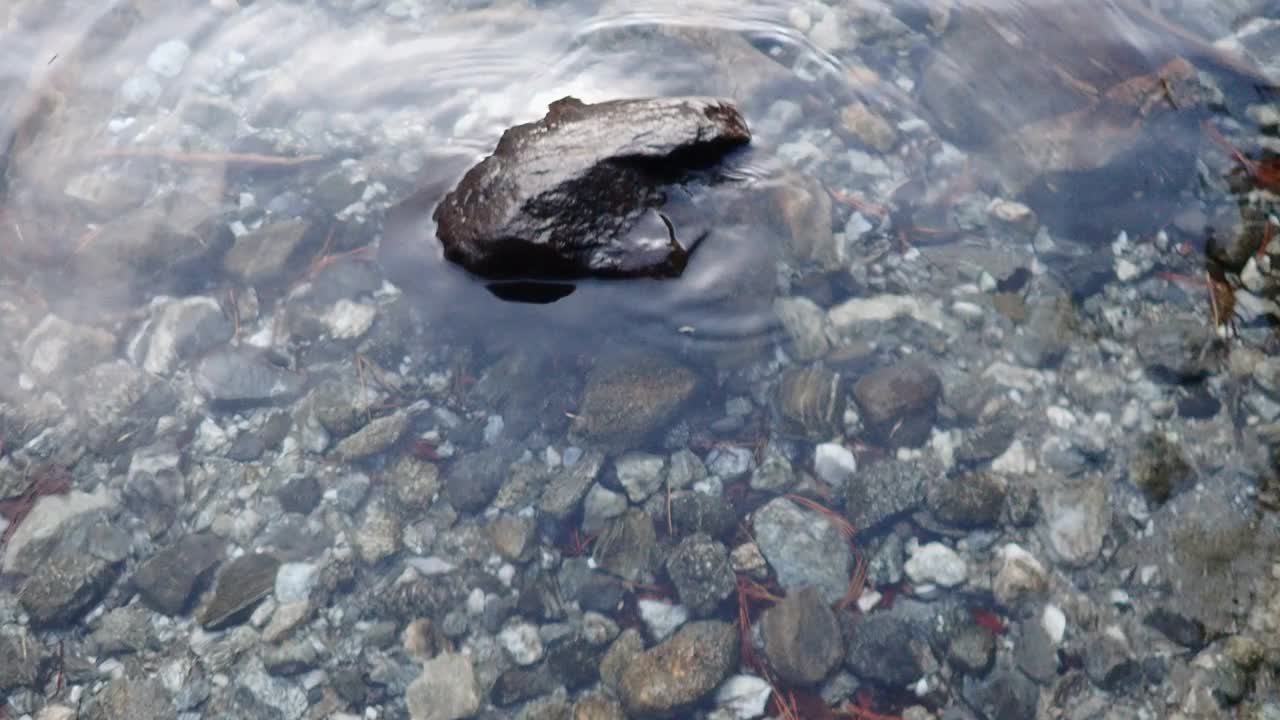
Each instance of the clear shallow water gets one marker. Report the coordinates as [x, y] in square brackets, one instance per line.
[926, 182]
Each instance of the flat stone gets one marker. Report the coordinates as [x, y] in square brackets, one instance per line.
[971, 649]
[1179, 350]
[804, 548]
[264, 254]
[380, 434]
[379, 535]
[881, 650]
[533, 208]
[124, 630]
[680, 671]
[66, 587]
[182, 330]
[811, 403]
[627, 400]
[969, 500]
[640, 474]
[802, 639]
[1020, 575]
[47, 521]
[568, 486]
[1076, 519]
[140, 699]
[936, 564]
[168, 580]
[57, 349]
[473, 480]
[743, 696]
[805, 324]
[899, 403]
[699, 568]
[21, 656]
[626, 548]
[446, 689]
[1003, 694]
[414, 483]
[1158, 467]
[245, 375]
[240, 585]
[883, 491]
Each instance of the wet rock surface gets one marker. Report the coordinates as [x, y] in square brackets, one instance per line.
[899, 403]
[534, 208]
[802, 638]
[680, 670]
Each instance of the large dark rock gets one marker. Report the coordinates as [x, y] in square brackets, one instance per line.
[578, 193]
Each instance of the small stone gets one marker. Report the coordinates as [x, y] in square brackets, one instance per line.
[1013, 214]
[881, 650]
[1185, 631]
[184, 329]
[695, 512]
[640, 474]
[803, 207]
[730, 463]
[1051, 330]
[971, 649]
[56, 349]
[263, 255]
[168, 58]
[1108, 661]
[244, 375]
[1036, 654]
[1003, 694]
[414, 483]
[378, 435]
[379, 535]
[868, 128]
[136, 699]
[899, 403]
[522, 643]
[811, 403]
[936, 564]
[661, 617]
[1158, 468]
[774, 474]
[625, 401]
[600, 506]
[1020, 576]
[967, 501]
[802, 639]
[699, 568]
[243, 583]
[446, 689]
[513, 536]
[834, 464]
[744, 696]
[1076, 518]
[680, 671]
[569, 485]
[883, 491]
[473, 480]
[804, 548]
[805, 323]
[290, 658]
[627, 547]
[295, 581]
[168, 580]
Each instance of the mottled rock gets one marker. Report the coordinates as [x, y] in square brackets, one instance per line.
[379, 535]
[66, 586]
[1158, 467]
[513, 536]
[473, 480]
[899, 403]
[48, 523]
[1020, 575]
[1076, 518]
[621, 654]
[264, 254]
[446, 689]
[627, 400]
[124, 630]
[140, 699]
[802, 639]
[567, 487]
[168, 581]
[811, 403]
[1185, 631]
[21, 656]
[868, 127]
[640, 474]
[967, 501]
[182, 330]
[883, 649]
[805, 323]
[245, 375]
[937, 564]
[597, 706]
[533, 208]
[1002, 694]
[1049, 332]
[699, 568]
[378, 435]
[240, 585]
[694, 512]
[679, 671]
[971, 648]
[804, 548]
[883, 491]
[414, 483]
[627, 547]
[57, 349]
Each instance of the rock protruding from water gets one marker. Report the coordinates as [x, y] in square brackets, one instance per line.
[579, 192]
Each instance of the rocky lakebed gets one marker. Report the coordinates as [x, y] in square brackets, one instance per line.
[829, 359]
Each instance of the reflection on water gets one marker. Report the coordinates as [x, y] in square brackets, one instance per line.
[975, 371]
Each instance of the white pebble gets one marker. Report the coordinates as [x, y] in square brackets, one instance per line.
[1054, 623]
[834, 464]
[168, 59]
[938, 564]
